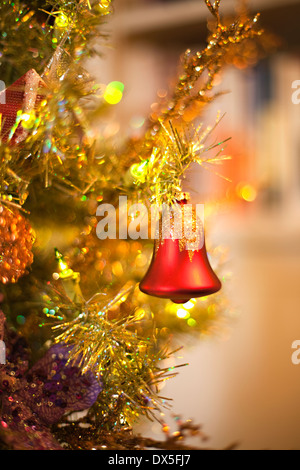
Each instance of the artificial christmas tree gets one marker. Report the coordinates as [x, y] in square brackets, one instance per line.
[79, 334]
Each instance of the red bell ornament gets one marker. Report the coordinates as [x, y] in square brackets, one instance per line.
[177, 270]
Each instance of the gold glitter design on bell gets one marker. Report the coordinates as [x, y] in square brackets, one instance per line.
[190, 234]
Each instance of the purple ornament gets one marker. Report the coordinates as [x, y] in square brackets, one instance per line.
[34, 400]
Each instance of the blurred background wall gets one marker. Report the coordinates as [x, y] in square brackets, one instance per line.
[240, 383]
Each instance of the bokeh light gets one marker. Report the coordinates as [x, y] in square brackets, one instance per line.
[114, 92]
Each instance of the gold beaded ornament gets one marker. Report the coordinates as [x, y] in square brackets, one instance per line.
[16, 242]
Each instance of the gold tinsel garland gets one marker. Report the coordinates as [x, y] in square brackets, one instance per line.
[173, 141]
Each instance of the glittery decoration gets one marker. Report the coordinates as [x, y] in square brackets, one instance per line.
[55, 387]
[16, 242]
[20, 99]
[33, 400]
[178, 224]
